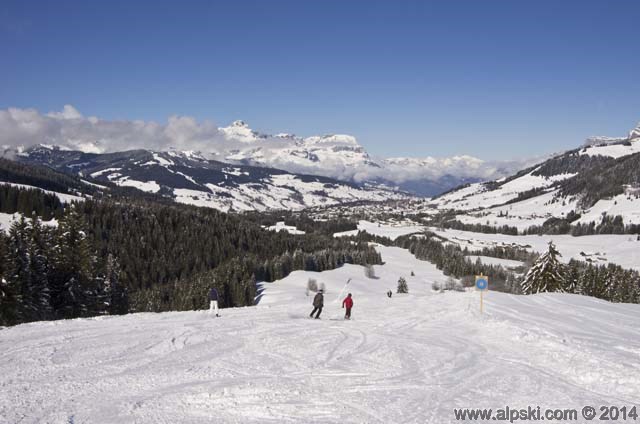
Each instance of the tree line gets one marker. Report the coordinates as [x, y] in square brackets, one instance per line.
[27, 201]
[50, 273]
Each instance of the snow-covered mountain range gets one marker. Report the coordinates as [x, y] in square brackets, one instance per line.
[189, 178]
[341, 156]
[333, 155]
[581, 186]
[336, 156]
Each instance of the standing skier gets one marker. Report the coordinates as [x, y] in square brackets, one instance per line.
[213, 301]
[348, 304]
[318, 303]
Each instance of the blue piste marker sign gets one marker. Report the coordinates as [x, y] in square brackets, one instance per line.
[482, 284]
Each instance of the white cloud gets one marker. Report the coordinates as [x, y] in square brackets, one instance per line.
[68, 112]
[69, 128]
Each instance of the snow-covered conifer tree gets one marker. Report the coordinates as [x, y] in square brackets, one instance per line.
[546, 274]
[39, 292]
[74, 295]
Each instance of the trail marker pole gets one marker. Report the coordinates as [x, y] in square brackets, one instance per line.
[482, 284]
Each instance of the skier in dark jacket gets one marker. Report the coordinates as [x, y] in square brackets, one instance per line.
[348, 304]
[318, 303]
[213, 301]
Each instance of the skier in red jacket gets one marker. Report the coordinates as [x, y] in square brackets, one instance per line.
[348, 303]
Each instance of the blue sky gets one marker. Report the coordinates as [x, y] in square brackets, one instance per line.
[493, 79]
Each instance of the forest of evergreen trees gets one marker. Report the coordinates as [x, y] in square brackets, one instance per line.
[50, 273]
[119, 256]
[27, 201]
[43, 177]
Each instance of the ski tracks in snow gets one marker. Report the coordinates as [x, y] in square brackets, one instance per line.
[409, 359]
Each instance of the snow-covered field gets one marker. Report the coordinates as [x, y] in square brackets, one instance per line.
[623, 250]
[281, 226]
[623, 204]
[489, 260]
[613, 150]
[525, 213]
[148, 186]
[409, 359]
[391, 230]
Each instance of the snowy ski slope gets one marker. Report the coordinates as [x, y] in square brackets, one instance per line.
[409, 359]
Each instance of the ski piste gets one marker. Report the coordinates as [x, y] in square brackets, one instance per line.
[266, 364]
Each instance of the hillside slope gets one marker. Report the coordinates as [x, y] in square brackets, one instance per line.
[580, 186]
[408, 359]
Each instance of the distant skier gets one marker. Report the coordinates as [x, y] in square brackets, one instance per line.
[347, 303]
[389, 294]
[213, 301]
[318, 303]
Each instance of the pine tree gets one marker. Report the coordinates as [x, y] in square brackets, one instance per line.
[18, 272]
[39, 271]
[74, 294]
[635, 288]
[4, 254]
[546, 274]
[402, 286]
[611, 279]
[115, 296]
[572, 282]
[9, 293]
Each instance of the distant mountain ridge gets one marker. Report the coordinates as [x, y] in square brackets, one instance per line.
[341, 156]
[188, 177]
